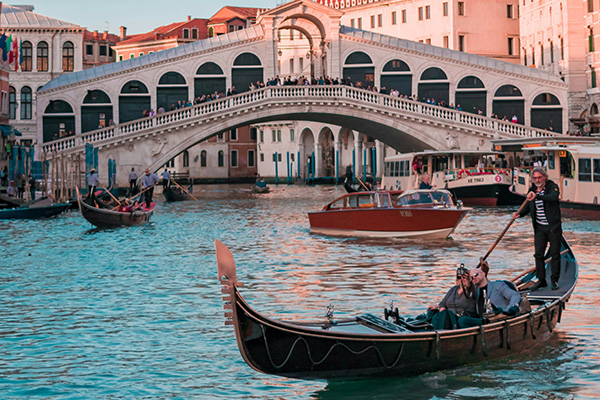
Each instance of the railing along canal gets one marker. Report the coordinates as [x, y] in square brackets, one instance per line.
[308, 94]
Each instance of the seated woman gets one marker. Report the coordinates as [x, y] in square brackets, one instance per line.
[459, 302]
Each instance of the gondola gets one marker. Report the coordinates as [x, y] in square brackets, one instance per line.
[43, 208]
[367, 345]
[175, 193]
[104, 216]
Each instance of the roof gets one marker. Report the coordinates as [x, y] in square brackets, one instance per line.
[160, 56]
[166, 31]
[228, 12]
[408, 156]
[87, 35]
[23, 17]
[460, 56]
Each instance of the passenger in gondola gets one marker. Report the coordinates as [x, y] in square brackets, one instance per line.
[459, 302]
[495, 298]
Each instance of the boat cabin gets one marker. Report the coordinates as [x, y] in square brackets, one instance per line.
[392, 199]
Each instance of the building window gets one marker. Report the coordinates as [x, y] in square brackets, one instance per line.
[231, 28]
[541, 54]
[585, 169]
[551, 52]
[372, 21]
[273, 135]
[524, 57]
[596, 169]
[393, 17]
[253, 131]
[590, 6]
[461, 42]
[352, 22]
[186, 159]
[360, 23]
[300, 64]
[262, 136]
[25, 102]
[533, 56]
[562, 49]
[420, 13]
[510, 46]
[186, 33]
[291, 135]
[27, 53]
[262, 157]
[234, 158]
[379, 20]
[427, 12]
[89, 49]
[446, 42]
[403, 16]
[132, 55]
[233, 134]
[121, 58]
[593, 76]
[102, 50]
[12, 102]
[251, 158]
[42, 57]
[291, 65]
[509, 11]
[221, 158]
[220, 138]
[591, 41]
[141, 54]
[291, 35]
[279, 135]
[427, 41]
[68, 57]
[194, 33]
[461, 8]
[203, 158]
[445, 9]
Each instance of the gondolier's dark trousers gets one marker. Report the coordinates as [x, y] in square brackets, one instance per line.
[543, 236]
[132, 185]
[148, 196]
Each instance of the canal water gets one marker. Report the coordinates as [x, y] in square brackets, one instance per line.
[136, 313]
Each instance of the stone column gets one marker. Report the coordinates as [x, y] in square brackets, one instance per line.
[358, 154]
[337, 161]
[379, 153]
[318, 159]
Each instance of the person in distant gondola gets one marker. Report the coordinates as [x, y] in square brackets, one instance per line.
[459, 302]
[92, 181]
[166, 176]
[31, 187]
[148, 182]
[133, 177]
[543, 198]
[349, 174]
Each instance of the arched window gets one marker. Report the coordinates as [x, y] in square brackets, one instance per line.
[68, 57]
[221, 158]
[27, 54]
[42, 57]
[25, 102]
[186, 159]
[12, 102]
[203, 158]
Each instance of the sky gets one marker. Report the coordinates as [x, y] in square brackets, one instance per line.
[138, 16]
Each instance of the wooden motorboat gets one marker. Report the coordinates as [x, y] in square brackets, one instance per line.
[105, 216]
[175, 193]
[42, 208]
[414, 213]
[367, 345]
[478, 178]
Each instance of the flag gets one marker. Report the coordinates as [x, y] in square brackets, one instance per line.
[20, 51]
[3, 47]
[9, 49]
[16, 54]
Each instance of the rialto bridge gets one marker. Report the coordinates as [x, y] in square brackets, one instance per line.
[85, 101]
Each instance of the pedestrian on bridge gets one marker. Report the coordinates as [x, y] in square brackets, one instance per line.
[148, 181]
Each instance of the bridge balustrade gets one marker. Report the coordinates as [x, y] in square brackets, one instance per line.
[307, 93]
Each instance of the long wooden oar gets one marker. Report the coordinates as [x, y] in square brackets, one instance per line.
[180, 187]
[362, 183]
[111, 195]
[503, 232]
[130, 198]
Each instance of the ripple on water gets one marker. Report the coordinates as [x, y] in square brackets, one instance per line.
[136, 312]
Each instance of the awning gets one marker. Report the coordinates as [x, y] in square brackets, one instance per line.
[7, 131]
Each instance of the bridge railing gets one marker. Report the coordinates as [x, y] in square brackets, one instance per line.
[306, 93]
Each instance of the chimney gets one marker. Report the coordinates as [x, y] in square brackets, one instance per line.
[123, 33]
[95, 35]
[189, 18]
[105, 35]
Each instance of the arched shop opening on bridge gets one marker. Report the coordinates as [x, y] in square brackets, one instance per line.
[58, 119]
[96, 111]
[133, 101]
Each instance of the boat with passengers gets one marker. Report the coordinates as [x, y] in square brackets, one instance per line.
[412, 213]
[573, 163]
[478, 178]
[368, 345]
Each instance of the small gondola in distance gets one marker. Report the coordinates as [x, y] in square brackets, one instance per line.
[103, 216]
[367, 346]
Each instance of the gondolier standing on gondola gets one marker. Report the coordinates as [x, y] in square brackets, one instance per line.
[148, 181]
[133, 177]
[166, 177]
[543, 198]
[92, 182]
[349, 174]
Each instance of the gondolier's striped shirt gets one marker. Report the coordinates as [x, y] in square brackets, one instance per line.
[540, 213]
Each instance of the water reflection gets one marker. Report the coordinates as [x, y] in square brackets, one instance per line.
[136, 312]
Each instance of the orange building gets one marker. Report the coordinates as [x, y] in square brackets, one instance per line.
[229, 19]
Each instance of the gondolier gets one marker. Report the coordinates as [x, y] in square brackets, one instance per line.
[92, 182]
[543, 197]
[133, 177]
[166, 176]
[148, 181]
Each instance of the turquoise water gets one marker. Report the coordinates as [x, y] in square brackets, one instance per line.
[136, 312]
